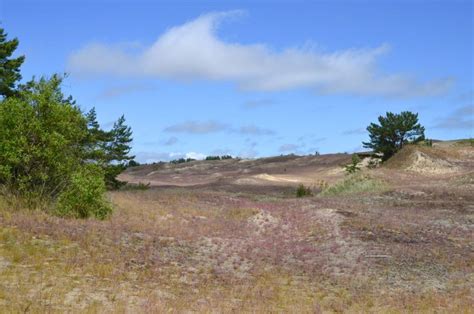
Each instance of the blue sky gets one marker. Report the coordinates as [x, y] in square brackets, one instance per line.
[254, 78]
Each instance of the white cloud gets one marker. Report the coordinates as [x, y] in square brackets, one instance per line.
[254, 130]
[193, 51]
[194, 155]
[150, 157]
[461, 118]
[196, 127]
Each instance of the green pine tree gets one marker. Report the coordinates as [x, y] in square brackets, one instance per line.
[394, 131]
[9, 67]
[117, 152]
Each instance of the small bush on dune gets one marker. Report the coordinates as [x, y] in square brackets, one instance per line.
[84, 196]
[140, 186]
[355, 184]
[303, 191]
[353, 167]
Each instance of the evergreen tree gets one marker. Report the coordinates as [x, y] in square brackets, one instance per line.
[117, 152]
[394, 131]
[9, 67]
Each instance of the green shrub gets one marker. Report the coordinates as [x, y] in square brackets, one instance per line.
[355, 184]
[84, 196]
[303, 191]
[224, 157]
[353, 166]
[140, 186]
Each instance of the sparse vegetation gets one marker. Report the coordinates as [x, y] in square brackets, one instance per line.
[303, 191]
[139, 186]
[355, 184]
[353, 167]
[469, 141]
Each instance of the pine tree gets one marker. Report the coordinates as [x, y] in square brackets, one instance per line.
[117, 152]
[394, 131]
[9, 67]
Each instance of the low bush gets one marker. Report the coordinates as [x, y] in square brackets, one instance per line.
[140, 186]
[303, 191]
[353, 167]
[355, 184]
[84, 196]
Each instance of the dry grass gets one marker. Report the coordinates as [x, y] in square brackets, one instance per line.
[238, 249]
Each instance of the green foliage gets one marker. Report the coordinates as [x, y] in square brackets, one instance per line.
[117, 152]
[353, 166]
[9, 67]
[355, 184]
[224, 157]
[213, 158]
[41, 133]
[393, 132]
[428, 142]
[110, 149]
[140, 186]
[133, 163]
[84, 195]
[49, 149]
[181, 160]
[303, 191]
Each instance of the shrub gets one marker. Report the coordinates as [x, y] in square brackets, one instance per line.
[84, 196]
[353, 166]
[303, 191]
[140, 186]
[226, 157]
[355, 184]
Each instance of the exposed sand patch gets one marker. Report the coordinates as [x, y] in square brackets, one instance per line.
[277, 178]
[425, 164]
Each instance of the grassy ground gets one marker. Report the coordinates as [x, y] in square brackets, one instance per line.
[386, 241]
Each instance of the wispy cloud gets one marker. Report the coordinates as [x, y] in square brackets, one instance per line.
[461, 118]
[205, 127]
[194, 51]
[258, 103]
[254, 130]
[355, 131]
[196, 127]
[171, 141]
[150, 157]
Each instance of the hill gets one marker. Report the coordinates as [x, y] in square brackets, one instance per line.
[231, 236]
